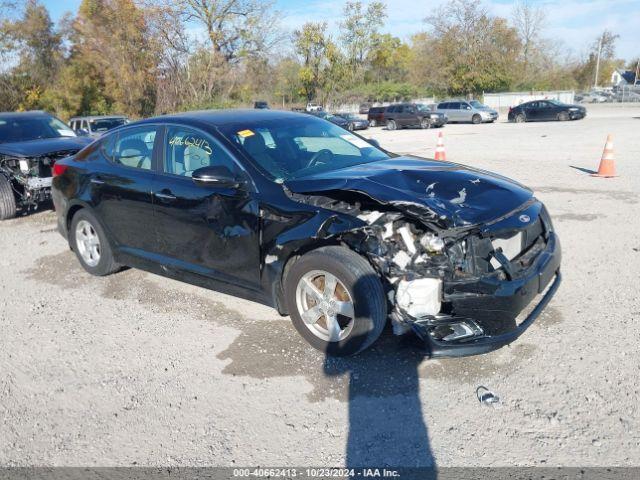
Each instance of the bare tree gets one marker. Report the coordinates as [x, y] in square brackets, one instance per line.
[234, 28]
[529, 22]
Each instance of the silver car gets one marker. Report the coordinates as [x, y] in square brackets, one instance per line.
[95, 126]
[467, 111]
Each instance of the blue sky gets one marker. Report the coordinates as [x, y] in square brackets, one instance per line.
[575, 23]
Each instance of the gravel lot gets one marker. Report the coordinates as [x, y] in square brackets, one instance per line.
[136, 369]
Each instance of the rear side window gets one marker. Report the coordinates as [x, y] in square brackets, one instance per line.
[443, 106]
[187, 150]
[132, 148]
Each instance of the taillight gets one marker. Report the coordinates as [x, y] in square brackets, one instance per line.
[59, 169]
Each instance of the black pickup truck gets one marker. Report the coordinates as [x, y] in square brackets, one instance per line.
[30, 144]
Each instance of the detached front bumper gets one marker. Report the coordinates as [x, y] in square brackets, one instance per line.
[495, 306]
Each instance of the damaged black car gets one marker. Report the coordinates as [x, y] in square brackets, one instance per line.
[325, 226]
[30, 144]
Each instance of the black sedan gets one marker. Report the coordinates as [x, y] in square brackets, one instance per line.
[544, 110]
[294, 212]
[335, 119]
[355, 122]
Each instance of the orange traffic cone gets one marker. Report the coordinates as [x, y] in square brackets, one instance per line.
[440, 153]
[607, 168]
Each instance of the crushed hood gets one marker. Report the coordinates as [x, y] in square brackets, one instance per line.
[44, 146]
[443, 192]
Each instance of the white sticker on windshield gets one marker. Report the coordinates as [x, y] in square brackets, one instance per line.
[356, 141]
[66, 133]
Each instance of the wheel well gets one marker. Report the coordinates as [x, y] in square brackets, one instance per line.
[72, 211]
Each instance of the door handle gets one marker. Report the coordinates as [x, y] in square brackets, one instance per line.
[97, 181]
[165, 195]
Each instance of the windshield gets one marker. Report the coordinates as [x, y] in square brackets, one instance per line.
[556, 102]
[105, 124]
[477, 104]
[300, 147]
[423, 108]
[23, 129]
[348, 116]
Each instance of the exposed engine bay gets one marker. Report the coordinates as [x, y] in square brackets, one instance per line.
[439, 279]
[30, 177]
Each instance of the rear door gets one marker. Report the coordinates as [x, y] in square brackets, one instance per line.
[121, 188]
[466, 112]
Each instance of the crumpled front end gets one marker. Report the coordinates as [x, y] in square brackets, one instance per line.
[463, 292]
[468, 258]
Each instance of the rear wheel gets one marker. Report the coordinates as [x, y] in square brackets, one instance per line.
[476, 119]
[7, 199]
[89, 241]
[391, 125]
[520, 118]
[336, 300]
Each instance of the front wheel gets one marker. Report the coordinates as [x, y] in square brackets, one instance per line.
[563, 116]
[336, 300]
[7, 199]
[476, 119]
[373, 123]
[391, 125]
[425, 124]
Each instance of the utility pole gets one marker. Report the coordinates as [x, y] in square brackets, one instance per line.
[595, 83]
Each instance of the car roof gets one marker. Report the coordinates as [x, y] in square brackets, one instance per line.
[96, 117]
[224, 117]
[30, 113]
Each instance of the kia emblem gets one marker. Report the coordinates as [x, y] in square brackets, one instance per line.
[525, 218]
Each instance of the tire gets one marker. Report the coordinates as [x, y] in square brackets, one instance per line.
[7, 199]
[105, 265]
[373, 123]
[563, 116]
[351, 127]
[391, 125]
[425, 124]
[356, 280]
[476, 119]
[520, 118]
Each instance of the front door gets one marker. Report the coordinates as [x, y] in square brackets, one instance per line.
[208, 230]
[121, 188]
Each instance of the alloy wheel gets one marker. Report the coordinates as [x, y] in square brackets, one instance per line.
[88, 243]
[325, 306]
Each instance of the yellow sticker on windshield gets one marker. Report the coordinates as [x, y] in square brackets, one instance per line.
[246, 133]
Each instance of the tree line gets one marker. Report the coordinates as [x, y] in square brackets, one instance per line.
[145, 57]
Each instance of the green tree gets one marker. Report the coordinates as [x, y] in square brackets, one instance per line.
[474, 50]
[360, 28]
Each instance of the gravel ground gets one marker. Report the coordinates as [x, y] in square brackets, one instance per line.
[136, 369]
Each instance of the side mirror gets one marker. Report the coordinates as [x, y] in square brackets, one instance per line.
[374, 142]
[217, 176]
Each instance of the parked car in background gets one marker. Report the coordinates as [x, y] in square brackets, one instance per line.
[467, 111]
[313, 107]
[364, 108]
[341, 122]
[544, 110]
[30, 145]
[592, 97]
[403, 115]
[96, 125]
[375, 115]
[261, 105]
[357, 123]
[293, 212]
